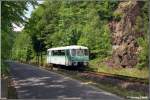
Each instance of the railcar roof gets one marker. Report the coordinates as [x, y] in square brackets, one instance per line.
[69, 47]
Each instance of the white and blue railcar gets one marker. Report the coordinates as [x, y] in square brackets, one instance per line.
[69, 56]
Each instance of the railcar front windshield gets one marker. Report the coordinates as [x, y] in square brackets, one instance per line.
[79, 52]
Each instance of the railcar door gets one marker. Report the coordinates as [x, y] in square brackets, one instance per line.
[68, 57]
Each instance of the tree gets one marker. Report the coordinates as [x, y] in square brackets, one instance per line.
[12, 13]
[22, 48]
[61, 23]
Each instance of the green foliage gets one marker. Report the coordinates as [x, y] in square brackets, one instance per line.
[141, 27]
[106, 9]
[61, 20]
[61, 23]
[143, 54]
[22, 48]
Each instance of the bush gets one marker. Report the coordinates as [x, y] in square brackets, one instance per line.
[143, 53]
[99, 54]
[117, 16]
[4, 69]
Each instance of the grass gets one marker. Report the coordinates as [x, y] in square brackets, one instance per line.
[4, 69]
[134, 72]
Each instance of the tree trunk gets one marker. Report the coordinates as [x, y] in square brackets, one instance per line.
[37, 58]
[41, 59]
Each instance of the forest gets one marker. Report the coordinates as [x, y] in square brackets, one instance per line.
[102, 26]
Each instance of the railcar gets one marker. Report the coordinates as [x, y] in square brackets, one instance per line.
[69, 56]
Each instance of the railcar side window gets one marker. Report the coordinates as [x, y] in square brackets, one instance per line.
[61, 52]
[79, 52]
[58, 53]
[53, 53]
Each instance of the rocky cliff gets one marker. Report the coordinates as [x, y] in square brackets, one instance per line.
[124, 34]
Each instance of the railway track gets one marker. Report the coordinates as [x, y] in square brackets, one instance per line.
[108, 75]
[121, 77]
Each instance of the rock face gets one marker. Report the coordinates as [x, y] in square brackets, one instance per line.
[125, 46]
